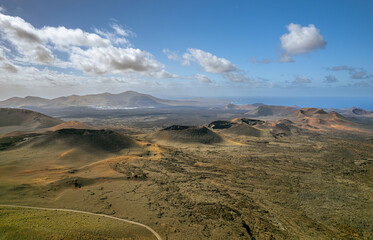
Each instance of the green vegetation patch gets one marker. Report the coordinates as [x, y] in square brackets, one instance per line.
[6, 142]
[18, 223]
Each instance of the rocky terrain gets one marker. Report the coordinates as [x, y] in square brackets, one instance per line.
[307, 175]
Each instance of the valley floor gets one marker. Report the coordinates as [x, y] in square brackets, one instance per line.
[300, 187]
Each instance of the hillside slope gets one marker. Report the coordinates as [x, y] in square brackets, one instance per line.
[12, 119]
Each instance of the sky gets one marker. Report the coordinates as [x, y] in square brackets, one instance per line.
[181, 49]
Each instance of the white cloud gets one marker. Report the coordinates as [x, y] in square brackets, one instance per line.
[236, 77]
[161, 74]
[300, 40]
[360, 75]
[5, 64]
[285, 58]
[103, 60]
[210, 63]
[213, 64]
[330, 79]
[202, 78]
[62, 37]
[32, 76]
[355, 73]
[171, 55]
[25, 38]
[301, 80]
[120, 30]
[118, 37]
[95, 53]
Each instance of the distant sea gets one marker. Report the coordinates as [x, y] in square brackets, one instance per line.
[318, 102]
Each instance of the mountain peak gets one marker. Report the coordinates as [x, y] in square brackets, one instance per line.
[130, 92]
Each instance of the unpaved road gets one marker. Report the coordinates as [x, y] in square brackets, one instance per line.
[94, 214]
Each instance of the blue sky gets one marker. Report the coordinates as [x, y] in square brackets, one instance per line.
[187, 48]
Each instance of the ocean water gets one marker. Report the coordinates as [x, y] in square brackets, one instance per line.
[318, 102]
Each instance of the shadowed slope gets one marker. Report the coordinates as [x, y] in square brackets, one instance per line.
[187, 134]
[237, 127]
[72, 125]
[89, 140]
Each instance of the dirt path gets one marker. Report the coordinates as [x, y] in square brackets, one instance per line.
[94, 214]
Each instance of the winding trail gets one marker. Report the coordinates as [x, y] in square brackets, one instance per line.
[89, 213]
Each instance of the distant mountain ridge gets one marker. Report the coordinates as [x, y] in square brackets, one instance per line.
[128, 99]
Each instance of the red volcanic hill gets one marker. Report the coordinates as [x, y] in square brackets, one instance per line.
[317, 118]
[319, 113]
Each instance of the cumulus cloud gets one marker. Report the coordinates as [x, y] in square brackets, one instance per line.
[62, 37]
[98, 53]
[209, 62]
[355, 73]
[360, 74]
[25, 38]
[120, 30]
[300, 40]
[260, 61]
[161, 74]
[119, 36]
[5, 64]
[103, 60]
[30, 76]
[202, 78]
[301, 80]
[171, 55]
[213, 64]
[330, 79]
[236, 77]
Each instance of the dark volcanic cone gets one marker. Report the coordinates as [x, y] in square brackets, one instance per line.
[188, 134]
[89, 140]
